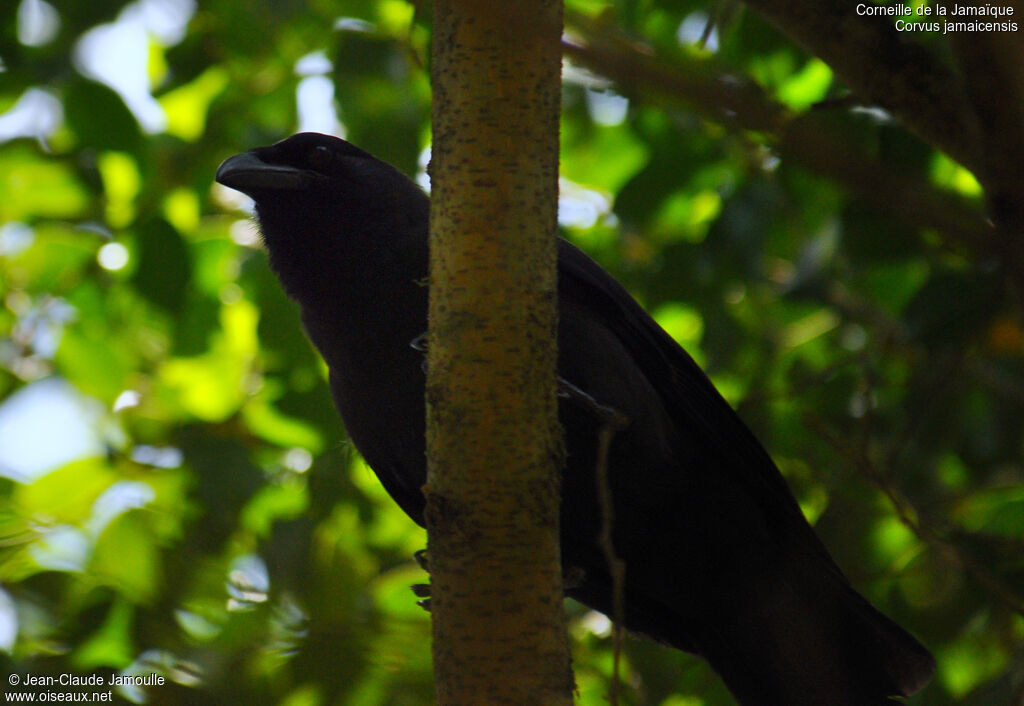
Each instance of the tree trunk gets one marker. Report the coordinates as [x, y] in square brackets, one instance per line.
[494, 446]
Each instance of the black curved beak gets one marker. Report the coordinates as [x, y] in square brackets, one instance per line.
[249, 174]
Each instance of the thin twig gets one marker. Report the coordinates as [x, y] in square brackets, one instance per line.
[912, 519]
[613, 421]
[616, 566]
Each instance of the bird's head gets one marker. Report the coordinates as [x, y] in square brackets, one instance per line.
[326, 209]
[304, 163]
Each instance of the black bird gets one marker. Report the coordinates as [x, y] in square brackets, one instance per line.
[719, 559]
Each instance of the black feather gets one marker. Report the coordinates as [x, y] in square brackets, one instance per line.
[719, 559]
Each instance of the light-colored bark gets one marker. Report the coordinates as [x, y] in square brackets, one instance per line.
[494, 446]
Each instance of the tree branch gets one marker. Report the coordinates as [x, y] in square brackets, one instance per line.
[740, 104]
[909, 515]
[878, 63]
[994, 63]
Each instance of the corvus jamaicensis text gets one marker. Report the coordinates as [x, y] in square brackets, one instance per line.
[719, 559]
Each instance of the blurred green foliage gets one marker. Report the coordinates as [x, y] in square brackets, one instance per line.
[176, 491]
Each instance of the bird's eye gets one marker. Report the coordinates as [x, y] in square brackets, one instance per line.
[321, 158]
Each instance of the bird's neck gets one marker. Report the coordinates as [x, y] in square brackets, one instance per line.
[361, 305]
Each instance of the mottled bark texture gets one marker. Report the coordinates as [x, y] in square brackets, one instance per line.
[494, 448]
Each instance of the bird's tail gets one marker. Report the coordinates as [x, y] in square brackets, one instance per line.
[819, 644]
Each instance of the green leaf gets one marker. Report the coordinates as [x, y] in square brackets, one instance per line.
[807, 86]
[127, 560]
[994, 511]
[66, 495]
[164, 267]
[267, 422]
[186, 106]
[99, 118]
[111, 645]
[212, 386]
[282, 501]
[121, 183]
[33, 187]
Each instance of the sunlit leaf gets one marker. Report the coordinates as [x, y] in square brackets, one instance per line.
[186, 106]
[585, 155]
[807, 86]
[951, 175]
[67, 494]
[181, 209]
[212, 386]
[126, 558]
[994, 510]
[97, 365]
[684, 324]
[31, 187]
[111, 645]
[282, 501]
[268, 423]
[121, 182]
[970, 660]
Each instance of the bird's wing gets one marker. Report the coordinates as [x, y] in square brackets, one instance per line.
[685, 390]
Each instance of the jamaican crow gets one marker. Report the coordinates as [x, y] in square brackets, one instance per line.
[719, 559]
